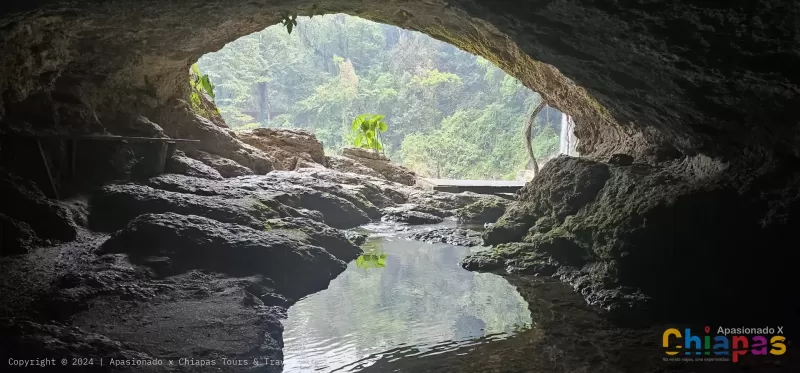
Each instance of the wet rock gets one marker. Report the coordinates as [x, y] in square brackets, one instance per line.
[357, 238]
[345, 164]
[16, 237]
[282, 191]
[23, 201]
[179, 163]
[410, 217]
[314, 233]
[226, 167]
[621, 159]
[452, 236]
[194, 242]
[486, 210]
[618, 227]
[113, 206]
[381, 165]
[26, 339]
[444, 200]
[285, 146]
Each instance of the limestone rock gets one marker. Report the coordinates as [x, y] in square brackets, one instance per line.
[179, 163]
[16, 237]
[621, 159]
[357, 238]
[410, 217]
[345, 164]
[381, 165]
[285, 146]
[113, 206]
[23, 201]
[226, 167]
[218, 140]
[451, 236]
[191, 242]
[610, 227]
[486, 210]
[315, 233]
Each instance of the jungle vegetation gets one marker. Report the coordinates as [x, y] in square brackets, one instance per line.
[450, 114]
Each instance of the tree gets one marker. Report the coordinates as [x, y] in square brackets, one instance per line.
[453, 114]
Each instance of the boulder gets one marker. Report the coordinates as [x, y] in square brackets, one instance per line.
[381, 165]
[194, 242]
[16, 237]
[410, 217]
[226, 167]
[23, 201]
[113, 206]
[179, 163]
[451, 236]
[607, 229]
[345, 164]
[285, 146]
[315, 233]
[218, 140]
[486, 210]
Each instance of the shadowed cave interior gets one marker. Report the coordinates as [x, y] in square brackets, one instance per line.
[681, 210]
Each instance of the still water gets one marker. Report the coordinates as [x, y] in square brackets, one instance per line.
[402, 298]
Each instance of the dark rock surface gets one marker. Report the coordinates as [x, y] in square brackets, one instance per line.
[114, 205]
[24, 202]
[16, 237]
[410, 217]
[621, 159]
[225, 166]
[451, 236]
[194, 242]
[179, 163]
[382, 165]
[616, 232]
[315, 233]
[486, 210]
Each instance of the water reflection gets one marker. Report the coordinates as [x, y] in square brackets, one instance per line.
[373, 256]
[418, 301]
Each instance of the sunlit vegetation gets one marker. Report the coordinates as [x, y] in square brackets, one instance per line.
[451, 114]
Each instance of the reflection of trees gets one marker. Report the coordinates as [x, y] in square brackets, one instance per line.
[421, 297]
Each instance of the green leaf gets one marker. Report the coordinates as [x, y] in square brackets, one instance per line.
[382, 126]
[289, 27]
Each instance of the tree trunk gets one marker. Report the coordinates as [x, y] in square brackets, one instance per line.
[528, 130]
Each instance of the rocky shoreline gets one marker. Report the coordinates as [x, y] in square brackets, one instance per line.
[189, 264]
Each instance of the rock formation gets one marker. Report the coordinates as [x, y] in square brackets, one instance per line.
[702, 95]
[381, 165]
[288, 146]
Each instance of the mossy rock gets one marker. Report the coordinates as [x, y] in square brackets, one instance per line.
[487, 210]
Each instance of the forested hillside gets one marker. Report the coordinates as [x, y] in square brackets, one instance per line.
[450, 114]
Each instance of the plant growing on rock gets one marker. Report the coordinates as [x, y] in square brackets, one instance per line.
[367, 129]
[201, 96]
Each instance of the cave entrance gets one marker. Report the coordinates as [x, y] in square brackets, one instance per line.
[449, 114]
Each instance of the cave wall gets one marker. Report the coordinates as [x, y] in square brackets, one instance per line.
[652, 79]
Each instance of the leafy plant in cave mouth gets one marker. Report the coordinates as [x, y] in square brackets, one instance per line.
[290, 20]
[367, 129]
[201, 86]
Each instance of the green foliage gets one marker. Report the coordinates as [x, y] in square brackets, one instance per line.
[200, 85]
[367, 129]
[452, 114]
[373, 257]
[289, 21]
[267, 227]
